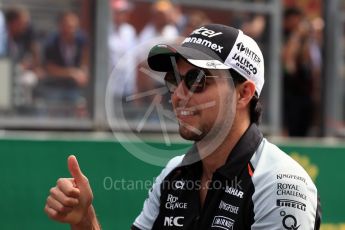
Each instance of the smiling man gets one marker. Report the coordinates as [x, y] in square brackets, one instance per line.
[232, 178]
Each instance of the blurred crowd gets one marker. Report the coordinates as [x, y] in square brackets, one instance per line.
[301, 66]
[54, 72]
[300, 55]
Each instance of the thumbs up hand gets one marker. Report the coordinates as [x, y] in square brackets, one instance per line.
[71, 198]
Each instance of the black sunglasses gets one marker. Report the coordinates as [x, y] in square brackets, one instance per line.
[194, 80]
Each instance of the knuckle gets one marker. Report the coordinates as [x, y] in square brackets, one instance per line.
[64, 209]
[60, 181]
[48, 199]
[67, 202]
[60, 208]
[53, 191]
[50, 213]
[69, 192]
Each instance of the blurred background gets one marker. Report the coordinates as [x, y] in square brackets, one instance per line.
[57, 59]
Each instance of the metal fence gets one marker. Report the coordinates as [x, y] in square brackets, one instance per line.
[332, 112]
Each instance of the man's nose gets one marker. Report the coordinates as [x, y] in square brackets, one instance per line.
[181, 92]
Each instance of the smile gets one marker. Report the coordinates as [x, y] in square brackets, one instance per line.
[184, 112]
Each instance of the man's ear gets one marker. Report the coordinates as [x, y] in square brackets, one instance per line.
[245, 92]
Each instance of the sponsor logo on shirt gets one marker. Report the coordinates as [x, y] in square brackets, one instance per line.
[228, 207]
[291, 203]
[289, 221]
[173, 221]
[286, 189]
[234, 192]
[178, 184]
[223, 222]
[172, 203]
[290, 176]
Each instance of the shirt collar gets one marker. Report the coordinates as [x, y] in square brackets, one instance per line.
[238, 157]
[241, 154]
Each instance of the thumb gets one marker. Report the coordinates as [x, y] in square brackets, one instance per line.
[75, 171]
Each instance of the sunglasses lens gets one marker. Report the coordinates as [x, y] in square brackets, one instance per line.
[195, 80]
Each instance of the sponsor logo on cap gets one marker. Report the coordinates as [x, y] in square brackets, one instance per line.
[212, 64]
[244, 64]
[206, 32]
[248, 52]
[204, 42]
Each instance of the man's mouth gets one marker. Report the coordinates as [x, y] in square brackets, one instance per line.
[182, 112]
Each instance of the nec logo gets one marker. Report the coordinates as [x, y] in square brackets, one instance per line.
[171, 221]
[206, 32]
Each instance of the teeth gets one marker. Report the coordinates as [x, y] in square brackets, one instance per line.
[186, 113]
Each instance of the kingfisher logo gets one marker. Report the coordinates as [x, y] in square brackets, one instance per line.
[223, 223]
[248, 52]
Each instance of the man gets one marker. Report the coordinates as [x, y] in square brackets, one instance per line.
[298, 78]
[66, 62]
[232, 178]
[122, 37]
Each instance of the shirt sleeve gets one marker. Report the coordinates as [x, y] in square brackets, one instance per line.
[150, 210]
[286, 199]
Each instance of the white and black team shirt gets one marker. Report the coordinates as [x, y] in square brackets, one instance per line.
[260, 187]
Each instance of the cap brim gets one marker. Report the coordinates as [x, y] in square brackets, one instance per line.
[159, 58]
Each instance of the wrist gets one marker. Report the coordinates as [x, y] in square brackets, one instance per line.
[88, 222]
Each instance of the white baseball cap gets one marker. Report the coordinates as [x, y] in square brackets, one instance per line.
[215, 46]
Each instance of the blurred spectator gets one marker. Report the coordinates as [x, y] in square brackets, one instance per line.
[2, 35]
[23, 50]
[195, 19]
[255, 26]
[160, 29]
[122, 39]
[67, 62]
[161, 22]
[297, 74]
[178, 18]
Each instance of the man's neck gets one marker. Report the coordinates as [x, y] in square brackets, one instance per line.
[219, 156]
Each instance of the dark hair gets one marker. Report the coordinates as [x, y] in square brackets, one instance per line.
[13, 14]
[292, 11]
[255, 108]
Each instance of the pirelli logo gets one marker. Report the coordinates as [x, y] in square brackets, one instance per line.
[291, 203]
